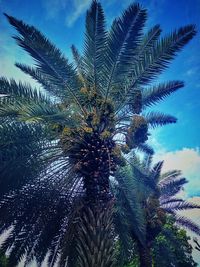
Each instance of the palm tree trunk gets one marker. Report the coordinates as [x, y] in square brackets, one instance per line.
[145, 256]
[95, 237]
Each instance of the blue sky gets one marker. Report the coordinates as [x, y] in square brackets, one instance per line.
[62, 21]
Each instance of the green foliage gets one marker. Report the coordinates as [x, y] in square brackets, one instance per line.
[3, 260]
[171, 247]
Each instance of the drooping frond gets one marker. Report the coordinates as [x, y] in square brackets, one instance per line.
[94, 46]
[129, 208]
[172, 187]
[165, 177]
[49, 59]
[146, 149]
[156, 171]
[123, 38]
[38, 212]
[170, 200]
[154, 94]
[179, 205]
[20, 148]
[155, 119]
[19, 91]
[78, 59]
[27, 104]
[188, 224]
[42, 79]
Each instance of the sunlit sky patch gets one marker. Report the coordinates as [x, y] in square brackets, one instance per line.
[62, 21]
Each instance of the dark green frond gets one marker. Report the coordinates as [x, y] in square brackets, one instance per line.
[42, 79]
[129, 208]
[169, 175]
[152, 95]
[180, 205]
[20, 147]
[147, 44]
[156, 171]
[78, 59]
[94, 46]
[171, 188]
[49, 59]
[123, 38]
[38, 212]
[20, 91]
[155, 119]
[146, 149]
[156, 60]
[188, 224]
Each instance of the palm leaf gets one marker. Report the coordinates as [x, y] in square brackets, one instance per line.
[49, 59]
[188, 224]
[94, 45]
[19, 91]
[179, 205]
[21, 146]
[172, 187]
[78, 59]
[42, 79]
[146, 149]
[123, 38]
[155, 119]
[154, 62]
[152, 95]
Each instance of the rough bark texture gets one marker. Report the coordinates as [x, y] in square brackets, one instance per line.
[145, 256]
[95, 237]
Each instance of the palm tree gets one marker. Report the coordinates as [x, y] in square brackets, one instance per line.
[144, 198]
[63, 142]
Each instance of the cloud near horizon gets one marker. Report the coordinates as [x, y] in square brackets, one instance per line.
[188, 161]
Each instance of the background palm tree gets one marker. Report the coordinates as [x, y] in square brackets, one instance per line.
[144, 198]
[63, 142]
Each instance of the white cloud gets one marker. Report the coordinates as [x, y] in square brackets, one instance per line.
[53, 7]
[188, 161]
[192, 71]
[80, 6]
[72, 9]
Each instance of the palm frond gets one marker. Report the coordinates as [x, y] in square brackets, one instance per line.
[172, 187]
[21, 146]
[128, 204]
[38, 211]
[49, 59]
[123, 38]
[155, 61]
[156, 171]
[188, 224]
[78, 59]
[42, 79]
[179, 205]
[94, 46]
[19, 91]
[146, 149]
[155, 119]
[154, 94]
[165, 177]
